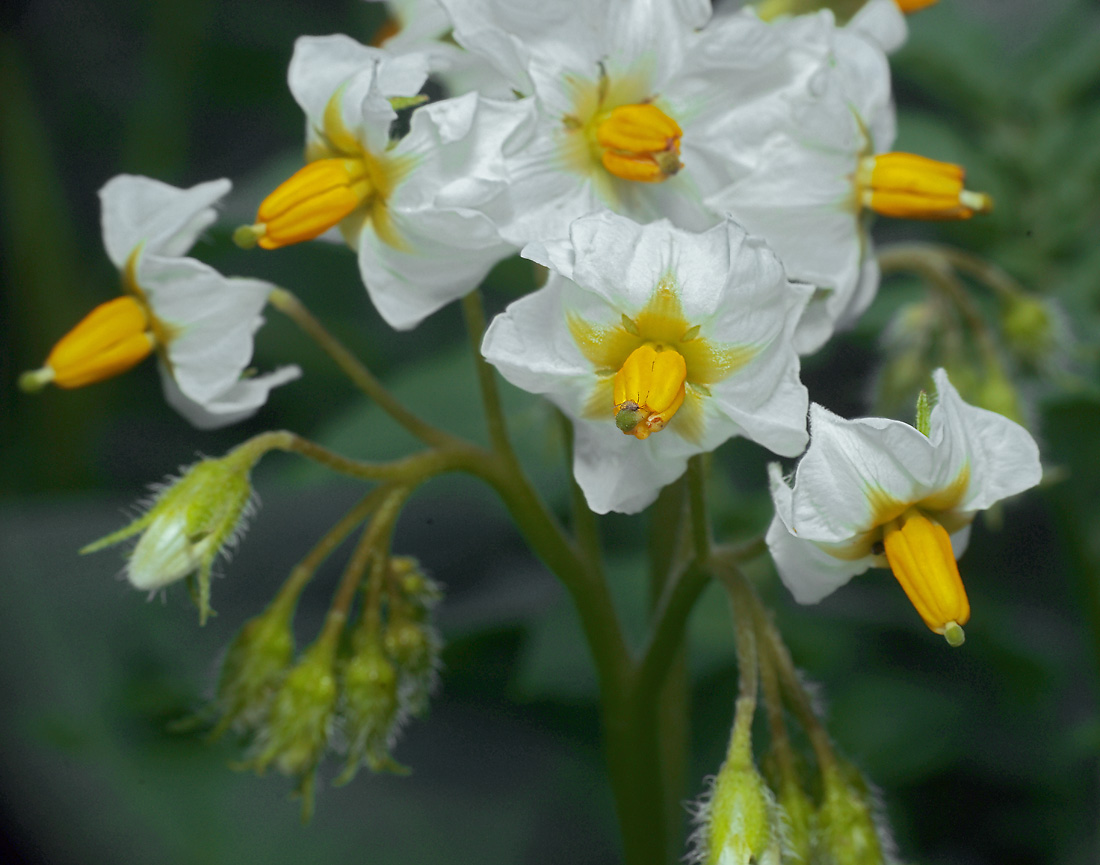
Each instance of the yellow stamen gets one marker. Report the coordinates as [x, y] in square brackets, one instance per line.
[911, 6]
[920, 555]
[913, 187]
[649, 389]
[109, 340]
[639, 142]
[309, 203]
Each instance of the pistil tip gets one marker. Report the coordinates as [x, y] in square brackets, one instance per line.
[247, 236]
[979, 202]
[953, 633]
[35, 380]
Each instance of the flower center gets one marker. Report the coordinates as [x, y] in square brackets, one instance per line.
[920, 555]
[913, 187]
[109, 340]
[649, 389]
[639, 142]
[308, 203]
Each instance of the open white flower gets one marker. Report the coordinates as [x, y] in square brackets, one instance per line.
[421, 213]
[639, 111]
[825, 170]
[660, 344]
[199, 323]
[876, 492]
[880, 21]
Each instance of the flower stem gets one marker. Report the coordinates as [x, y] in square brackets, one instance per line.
[474, 313]
[288, 304]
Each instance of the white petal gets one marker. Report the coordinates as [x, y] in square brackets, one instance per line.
[1001, 455]
[808, 572]
[847, 463]
[881, 22]
[211, 321]
[240, 401]
[139, 211]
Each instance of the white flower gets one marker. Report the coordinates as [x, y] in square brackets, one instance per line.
[420, 212]
[881, 22]
[199, 323]
[639, 111]
[825, 168]
[679, 340]
[875, 492]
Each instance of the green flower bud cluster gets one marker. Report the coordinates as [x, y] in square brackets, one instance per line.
[392, 670]
[849, 830]
[188, 522]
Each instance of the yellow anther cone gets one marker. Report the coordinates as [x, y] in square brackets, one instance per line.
[639, 142]
[908, 186]
[920, 555]
[109, 340]
[309, 203]
[911, 6]
[649, 389]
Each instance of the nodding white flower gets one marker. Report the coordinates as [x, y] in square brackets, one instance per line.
[199, 323]
[416, 211]
[825, 170]
[639, 111]
[875, 492]
[660, 344]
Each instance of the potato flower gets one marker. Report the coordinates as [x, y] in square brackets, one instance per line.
[880, 493]
[199, 323]
[660, 344]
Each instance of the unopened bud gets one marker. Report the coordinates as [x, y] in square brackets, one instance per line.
[369, 711]
[298, 724]
[254, 667]
[849, 831]
[189, 521]
[414, 648]
[1028, 325]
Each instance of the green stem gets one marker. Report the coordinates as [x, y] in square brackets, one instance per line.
[288, 304]
[474, 313]
[305, 569]
[700, 523]
[585, 528]
[374, 542]
[409, 470]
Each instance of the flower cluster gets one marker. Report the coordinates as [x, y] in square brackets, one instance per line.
[698, 183]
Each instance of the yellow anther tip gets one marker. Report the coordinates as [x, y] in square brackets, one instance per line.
[953, 633]
[247, 236]
[35, 380]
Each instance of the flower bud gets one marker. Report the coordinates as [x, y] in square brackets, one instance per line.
[849, 831]
[414, 648]
[296, 732]
[369, 710]
[1029, 328]
[738, 821]
[188, 522]
[253, 669]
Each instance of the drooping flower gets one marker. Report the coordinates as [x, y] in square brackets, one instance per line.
[826, 169]
[639, 110]
[880, 493]
[660, 344]
[199, 323]
[420, 212]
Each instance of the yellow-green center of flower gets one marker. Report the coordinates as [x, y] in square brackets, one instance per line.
[638, 142]
[920, 555]
[649, 389]
[653, 365]
[913, 187]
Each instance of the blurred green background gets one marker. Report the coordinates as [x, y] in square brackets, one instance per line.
[985, 754]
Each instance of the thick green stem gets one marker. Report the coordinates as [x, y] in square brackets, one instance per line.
[353, 368]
